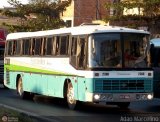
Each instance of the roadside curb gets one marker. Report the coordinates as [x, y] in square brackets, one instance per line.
[31, 115]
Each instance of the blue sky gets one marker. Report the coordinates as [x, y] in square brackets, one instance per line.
[4, 3]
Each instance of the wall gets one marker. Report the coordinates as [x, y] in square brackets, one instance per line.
[85, 11]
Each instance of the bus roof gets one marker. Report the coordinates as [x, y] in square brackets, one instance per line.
[156, 42]
[79, 30]
[102, 29]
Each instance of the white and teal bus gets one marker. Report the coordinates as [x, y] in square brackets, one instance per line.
[89, 63]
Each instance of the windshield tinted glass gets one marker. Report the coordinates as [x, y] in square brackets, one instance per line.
[106, 50]
[135, 50]
[119, 50]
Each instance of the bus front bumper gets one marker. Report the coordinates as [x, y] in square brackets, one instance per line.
[117, 97]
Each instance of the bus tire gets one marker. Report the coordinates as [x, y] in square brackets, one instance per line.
[70, 97]
[5, 86]
[20, 90]
[123, 105]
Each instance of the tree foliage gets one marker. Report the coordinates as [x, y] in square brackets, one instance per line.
[37, 15]
[149, 8]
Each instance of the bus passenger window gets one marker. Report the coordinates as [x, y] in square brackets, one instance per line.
[49, 43]
[81, 52]
[9, 47]
[73, 51]
[57, 45]
[30, 47]
[33, 47]
[74, 46]
[36, 46]
[14, 48]
[18, 49]
[25, 47]
[43, 47]
[64, 45]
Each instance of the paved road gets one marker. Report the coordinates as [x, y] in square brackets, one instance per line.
[52, 109]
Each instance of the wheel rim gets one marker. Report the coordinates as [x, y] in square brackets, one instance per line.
[20, 87]
[70, 94]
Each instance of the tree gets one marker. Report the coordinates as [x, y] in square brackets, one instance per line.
[37, 15]
[149, 13]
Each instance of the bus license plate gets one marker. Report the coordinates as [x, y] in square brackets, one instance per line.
[124, 96]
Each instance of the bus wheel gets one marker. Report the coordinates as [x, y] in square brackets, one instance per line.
[5, 86]
[124, 105]
[70, 97]
[20, 91]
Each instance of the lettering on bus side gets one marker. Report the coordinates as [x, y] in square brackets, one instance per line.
[105, 74]
[141, 73]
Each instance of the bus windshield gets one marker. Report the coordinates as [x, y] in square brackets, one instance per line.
[128, 50]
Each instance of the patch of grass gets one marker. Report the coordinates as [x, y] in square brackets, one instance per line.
[14, 116]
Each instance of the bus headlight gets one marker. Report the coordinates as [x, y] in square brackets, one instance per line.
[96, 96]
[149, 96]
[144, 96]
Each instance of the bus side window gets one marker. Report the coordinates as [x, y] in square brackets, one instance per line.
[73, 50]
[38, 46]
[33, 47]
[74, 46]
[48, 45]
[9, 48]
[14, 47]
[57, 51]
[18, 48]
[81, 52]
[42, 46]
[30, 47]
[26, 47]
[64, 45]
[54, 45]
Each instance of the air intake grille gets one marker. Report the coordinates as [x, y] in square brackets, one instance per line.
[122, 85]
